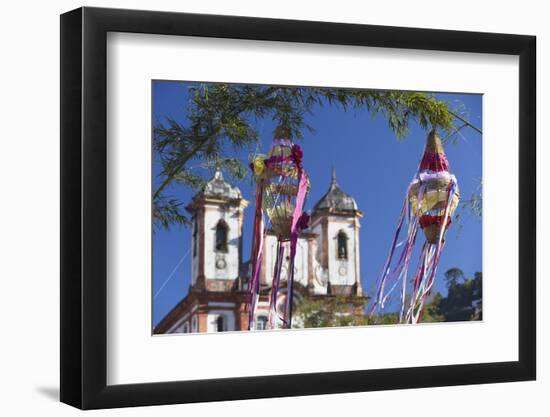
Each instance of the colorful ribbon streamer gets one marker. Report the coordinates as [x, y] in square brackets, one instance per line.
[431, 199]
[279, 172]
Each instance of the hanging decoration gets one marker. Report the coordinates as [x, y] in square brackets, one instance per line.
[281, 188]
[431, 200]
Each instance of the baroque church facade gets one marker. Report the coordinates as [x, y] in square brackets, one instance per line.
[327, 260]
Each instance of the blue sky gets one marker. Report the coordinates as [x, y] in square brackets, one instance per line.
[371, 164]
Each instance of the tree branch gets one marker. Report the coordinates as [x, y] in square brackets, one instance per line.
[178, 168]
[477, 129]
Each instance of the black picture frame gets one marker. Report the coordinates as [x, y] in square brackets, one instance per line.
[84, 207]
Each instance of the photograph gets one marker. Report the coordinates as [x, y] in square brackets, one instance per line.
[247, 208]
[297, 207]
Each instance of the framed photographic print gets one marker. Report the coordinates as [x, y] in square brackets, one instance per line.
[257, 207]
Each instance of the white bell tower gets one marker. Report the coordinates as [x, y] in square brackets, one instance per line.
[336, 220]
[216, 240]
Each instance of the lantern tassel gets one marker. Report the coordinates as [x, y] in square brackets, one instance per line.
[257, 248]
[273, 316]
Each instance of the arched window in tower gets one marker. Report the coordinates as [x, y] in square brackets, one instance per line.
[342, 245]
[261, 323]
[221, 236]
[220, 324]
[195, 236]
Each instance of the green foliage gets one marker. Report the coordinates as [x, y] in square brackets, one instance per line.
[388, 318]
[220, 120]
[167, 211]
[475, 203]
[463, 301]
[432, 313]
[399, 107]
[334, 311]
[473, 206]
[454, 276]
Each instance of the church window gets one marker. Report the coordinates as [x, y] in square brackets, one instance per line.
[221, 236]
[186, 328]
[261, 323]
[342, 245]
[220, 324]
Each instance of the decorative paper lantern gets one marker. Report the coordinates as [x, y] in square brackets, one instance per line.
[282, 186]
[430, 191]
[431, 200]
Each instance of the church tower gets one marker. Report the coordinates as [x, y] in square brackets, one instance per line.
[216, 300]
[216, 240]
[336, 220]
[326, 264]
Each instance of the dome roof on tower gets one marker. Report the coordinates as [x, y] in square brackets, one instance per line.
[335, 199]
[217, 187]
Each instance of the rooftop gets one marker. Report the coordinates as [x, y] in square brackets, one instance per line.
[219, 188]
[335, 199]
